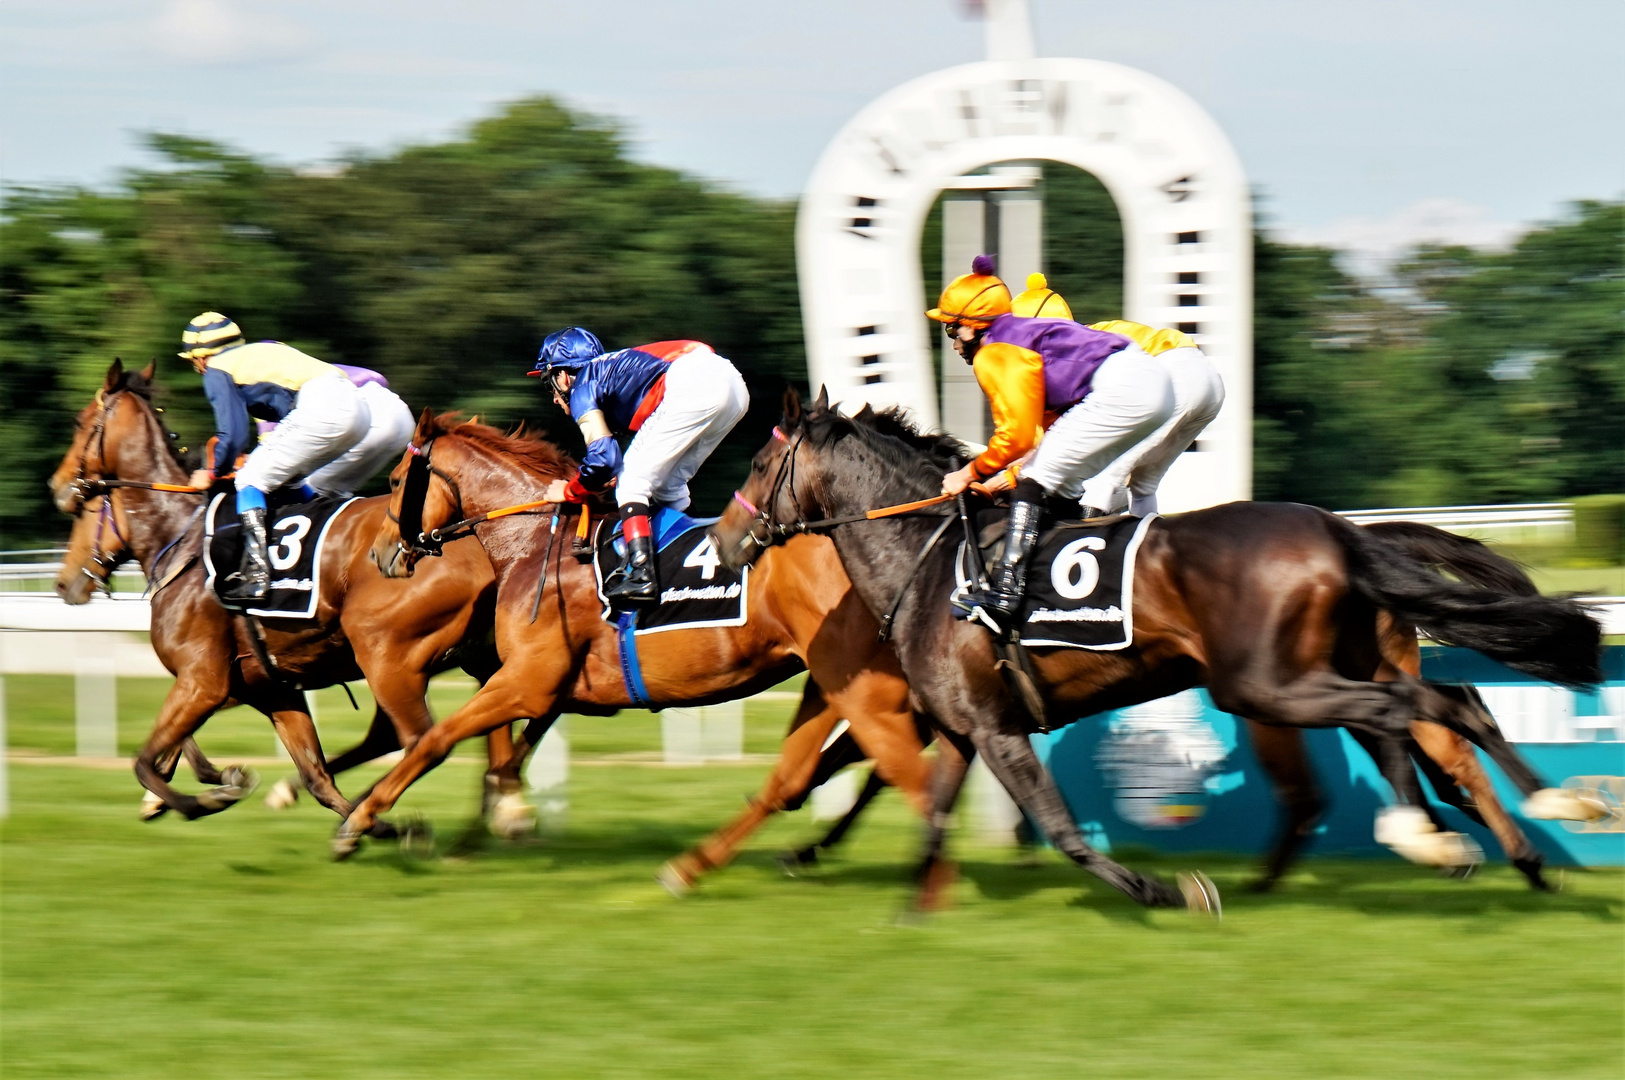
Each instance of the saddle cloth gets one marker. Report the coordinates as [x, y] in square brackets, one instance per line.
[695, 588]
[1080, 585]
[295, 532]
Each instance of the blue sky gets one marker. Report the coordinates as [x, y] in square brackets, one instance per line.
[1368, 123]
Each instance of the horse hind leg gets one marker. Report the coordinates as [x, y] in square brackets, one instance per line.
[1280, 752]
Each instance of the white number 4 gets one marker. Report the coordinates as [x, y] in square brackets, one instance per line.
[705, 558]
[1075, 572]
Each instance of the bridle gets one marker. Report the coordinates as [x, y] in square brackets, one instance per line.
[415, 542]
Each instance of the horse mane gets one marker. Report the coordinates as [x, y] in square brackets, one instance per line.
[901, 440]
[142, 387]
[530, 452]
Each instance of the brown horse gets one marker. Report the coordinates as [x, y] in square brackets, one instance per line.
[395, 634]
[1273, 607]
[802, 615]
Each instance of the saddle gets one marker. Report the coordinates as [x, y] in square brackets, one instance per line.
[295, 529]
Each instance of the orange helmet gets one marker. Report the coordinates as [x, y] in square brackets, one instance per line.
[976, 298]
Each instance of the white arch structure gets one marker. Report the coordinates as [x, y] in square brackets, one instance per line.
[1179, 189]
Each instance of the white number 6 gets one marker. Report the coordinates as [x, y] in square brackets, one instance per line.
[285, 552]
[1072, 558]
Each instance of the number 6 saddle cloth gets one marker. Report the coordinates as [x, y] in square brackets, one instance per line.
[695, 588]
[1080, 586]
[296, 532]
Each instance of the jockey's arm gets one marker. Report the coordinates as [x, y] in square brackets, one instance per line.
[231, 420]
[599, 469]
[1013, 379]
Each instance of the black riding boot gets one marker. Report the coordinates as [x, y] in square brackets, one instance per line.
[252, 580]
[637, 583]
[999, 603]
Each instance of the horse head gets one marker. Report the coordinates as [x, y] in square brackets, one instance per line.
[452, 471]
[97, 546]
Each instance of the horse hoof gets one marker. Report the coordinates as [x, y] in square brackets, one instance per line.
[1201, 895]
[512, 818]
[283, 795]
[674, 880]
[417, 839]
[152, 807]
[242, 777]
[346, 842]
[1564, 804]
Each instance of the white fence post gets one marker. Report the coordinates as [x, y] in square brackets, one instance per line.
[682, 736]
[5, 778]
[95, 696]
[722, 731]
[548, 776]
[994, 814]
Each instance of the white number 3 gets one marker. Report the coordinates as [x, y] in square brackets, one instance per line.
[1075, 562]
[285, 552]
[705, 558]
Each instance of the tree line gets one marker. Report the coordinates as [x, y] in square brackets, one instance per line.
[1477, 377]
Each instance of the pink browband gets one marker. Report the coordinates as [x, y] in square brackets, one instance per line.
[779, 435]
[742, 501]
[414, 449]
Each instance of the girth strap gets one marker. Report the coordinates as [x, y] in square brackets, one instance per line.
[631, 671]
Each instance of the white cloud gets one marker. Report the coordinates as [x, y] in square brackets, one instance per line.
[1371, 245]
[209, 33]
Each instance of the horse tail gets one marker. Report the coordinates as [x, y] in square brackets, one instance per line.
[1548, 637]
[1470, 560]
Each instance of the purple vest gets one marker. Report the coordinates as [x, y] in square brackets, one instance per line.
[1072, 352]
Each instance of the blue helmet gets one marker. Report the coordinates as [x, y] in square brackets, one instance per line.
[567, 350]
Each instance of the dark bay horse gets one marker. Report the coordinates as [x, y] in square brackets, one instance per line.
[802, 615]
[1273, 607]
[395, 634]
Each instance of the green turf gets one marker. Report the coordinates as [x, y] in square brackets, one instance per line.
[233, 946]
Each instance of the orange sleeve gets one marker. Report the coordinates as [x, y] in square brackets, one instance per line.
[1013, 380]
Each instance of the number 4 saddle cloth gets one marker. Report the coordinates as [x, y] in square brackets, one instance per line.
[296, 533]
[1080, 586]
[695, 588]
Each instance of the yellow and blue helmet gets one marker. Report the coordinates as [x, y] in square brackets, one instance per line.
[209, 333]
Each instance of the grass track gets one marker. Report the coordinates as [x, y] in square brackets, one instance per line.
[233, 945]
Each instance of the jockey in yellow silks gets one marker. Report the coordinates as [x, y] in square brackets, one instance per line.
[1092, 394]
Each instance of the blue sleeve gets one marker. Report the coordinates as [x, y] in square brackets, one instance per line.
[603, 464]
[584, 396]
[231, 421]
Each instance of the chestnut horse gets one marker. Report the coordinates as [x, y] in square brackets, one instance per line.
[396, 634]
[802, 615]
[1273, 607]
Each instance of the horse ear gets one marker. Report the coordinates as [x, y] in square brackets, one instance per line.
[149, 371]
[792, 407]
[821, 405]
[864, 413]
[115, 375]
[425, 425]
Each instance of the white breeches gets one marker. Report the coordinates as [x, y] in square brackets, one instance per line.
[389, 429]
[329, 417]
[705, 398]
[1130, 397]
[1132, 479]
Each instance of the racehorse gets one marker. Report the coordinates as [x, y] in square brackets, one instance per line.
[396, 634]
[802, 615]
[1274, 607]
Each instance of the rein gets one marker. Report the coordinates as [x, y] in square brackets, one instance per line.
[432, 542]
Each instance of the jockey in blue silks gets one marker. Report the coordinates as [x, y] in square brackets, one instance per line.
[679, 399]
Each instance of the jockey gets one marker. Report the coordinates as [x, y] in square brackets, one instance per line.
[1091, 394]
[678, 398]
[331, 433]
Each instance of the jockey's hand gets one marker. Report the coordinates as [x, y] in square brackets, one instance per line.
[999, 481]
[957, 481]
[200, 478]
[558, 491]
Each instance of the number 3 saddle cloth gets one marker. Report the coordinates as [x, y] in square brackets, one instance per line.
[296, 532]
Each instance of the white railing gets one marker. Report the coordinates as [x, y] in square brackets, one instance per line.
[1547, 518]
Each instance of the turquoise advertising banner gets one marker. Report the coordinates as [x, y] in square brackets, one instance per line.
[1179, 775]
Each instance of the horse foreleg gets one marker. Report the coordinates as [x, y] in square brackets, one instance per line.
[290, 718]
[202, 767]
[517, 691]
[935, 873]
[1281, 753]
[1010, 756]
[190, 701]
[1455, 755]
[798, 760]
